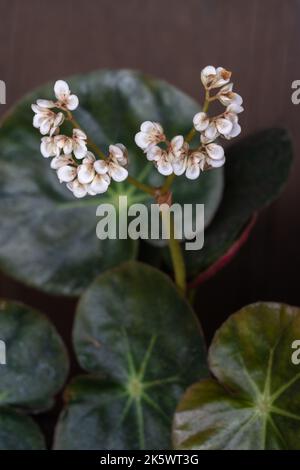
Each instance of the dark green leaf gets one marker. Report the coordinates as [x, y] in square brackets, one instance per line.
[36, 359]
[255, 172]
[33, 368]
[143, 344]
[256, 402]
[19, 432]
[48, 237]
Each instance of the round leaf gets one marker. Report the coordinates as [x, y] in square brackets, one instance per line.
[36, 360]
[143, 344]
[48, 237]
[255, 172]
[256, 402]
[19, 432]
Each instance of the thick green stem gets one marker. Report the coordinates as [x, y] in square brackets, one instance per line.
[178, 262]
[175, 251]
[167, 184]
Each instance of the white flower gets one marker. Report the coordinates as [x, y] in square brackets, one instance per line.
[66, 173]
[64, 143]
[210, 133]
[221, 125]
[49, 147]
[212, 77]
[236, 128]
[79, 143]
[75, 144]
[119, 154]
[99, 184]
[178, 146]
[179, 151]
[154, 153]
[64, 96]
[79, 190]
[201, 121]
[234, 108]
[161, 158]
[114, 165]
[86, 171]
[60, 161]
[46, 120]
[116, 162]
[172, 159]
[215, 155]
[179, 165]
[226, 96]
[210, 156]
[151, 133]
[65, 99]
[45, 103]
[193, 165]
[164, 164]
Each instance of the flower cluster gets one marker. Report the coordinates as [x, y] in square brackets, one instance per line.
[176, 156]
[74, 164]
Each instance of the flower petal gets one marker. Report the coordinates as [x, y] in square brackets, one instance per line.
[222, 77]
[79, 149]
[215, 163]
[79, 190]
[154, 153]
[66, 173]
[211, 132]
[45, 126]
[72, 102]
[60, 161]
[164, 167]
[192, 171]
[177, 143]
[224, 126]
[101, 167]
[179, 165]
[234, 108]
[79, 134]
[89, 158]
[45, 103]
[100, 184]
[117, 172]
[215, 151]
[142, 140]
[236, 130]
[85, 173]
[200, 121]
[207, 74]
[61, 89]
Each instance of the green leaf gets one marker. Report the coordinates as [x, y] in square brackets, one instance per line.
[255, 172]
[19, 432]
[34, 366]
[48, 237]
[143, 344]
[36, 359]
[256, 402]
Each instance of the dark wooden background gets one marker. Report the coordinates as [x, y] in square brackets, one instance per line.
[259, 40]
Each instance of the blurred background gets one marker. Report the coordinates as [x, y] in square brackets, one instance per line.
[173, 39]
